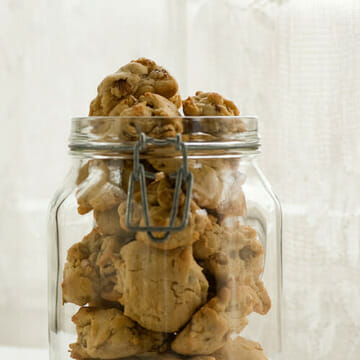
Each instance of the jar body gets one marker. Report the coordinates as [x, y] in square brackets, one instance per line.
[215, 283]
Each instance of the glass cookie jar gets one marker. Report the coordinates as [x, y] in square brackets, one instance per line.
[165, 243]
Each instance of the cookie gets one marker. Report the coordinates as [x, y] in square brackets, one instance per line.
[159, 289]
[213, 104]
[161, 118]
[97, 187]
[218, 189]
[108, 223]
[80, 277]
[208, 330]
[230, 252]
[160, 198]
[168, 356]
[240, 348]
[89, 275]
[108, 334]
[246, 298]
[217, 185]
[209, 104]
[134, 79]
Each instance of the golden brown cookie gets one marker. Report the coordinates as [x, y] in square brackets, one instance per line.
[97, 188]
[213, 104]
[108, 334]
[108, 222]
[136, 78]
[89, 275]
[80, 278]
[218, 189]
[152, 114]
[246, 298]
[230, 252]
[160, 199]
[159, 289]
[168, 356]
[217, 185]
[240, 348]
[208, 329]
[209, 104]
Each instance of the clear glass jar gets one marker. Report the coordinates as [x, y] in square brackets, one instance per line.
[165, 242]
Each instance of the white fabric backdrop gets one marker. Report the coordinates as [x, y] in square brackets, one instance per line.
[296, 64]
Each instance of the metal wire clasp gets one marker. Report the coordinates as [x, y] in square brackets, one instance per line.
[139, 174]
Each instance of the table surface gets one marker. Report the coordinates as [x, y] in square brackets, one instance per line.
[14, 353]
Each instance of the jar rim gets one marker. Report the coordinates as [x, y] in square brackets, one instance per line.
[121, 133]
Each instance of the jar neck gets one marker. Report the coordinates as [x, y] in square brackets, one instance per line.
[201, 136]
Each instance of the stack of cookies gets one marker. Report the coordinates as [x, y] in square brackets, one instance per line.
[185, 297]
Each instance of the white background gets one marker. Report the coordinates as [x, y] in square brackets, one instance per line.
[295, 64]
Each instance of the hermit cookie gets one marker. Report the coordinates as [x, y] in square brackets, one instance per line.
[97, 188]
[208, 330]
[160, 198]
[213, 104]
[81, 281]
[108, 223]
[167, 356]
[208, 104]
[108, 334]
[136, 78]
[217, 186]
[159, 289]
[88, 273]
[218, 189]
[229, 252]
[167, 124]
[242, 349]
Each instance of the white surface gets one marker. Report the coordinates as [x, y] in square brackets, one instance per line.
[14, 353]
[296, 64]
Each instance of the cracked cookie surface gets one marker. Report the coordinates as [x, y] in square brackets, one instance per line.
[133, 79]
[109, 334]
[159, 289]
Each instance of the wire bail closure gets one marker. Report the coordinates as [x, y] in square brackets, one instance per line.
[139, 174]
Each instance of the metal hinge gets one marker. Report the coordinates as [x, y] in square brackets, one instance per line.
[183, 175]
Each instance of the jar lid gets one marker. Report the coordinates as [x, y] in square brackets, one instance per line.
[120, 134]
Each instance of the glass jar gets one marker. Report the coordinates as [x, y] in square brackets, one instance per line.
[165, 242]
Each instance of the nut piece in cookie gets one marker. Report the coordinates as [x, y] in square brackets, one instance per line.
[208, 330]
[108, 334]
[97, 188]
[213, 104]
[159, 289]
[160, 199]
[89, 275]
[240, 348]
[136, 78]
